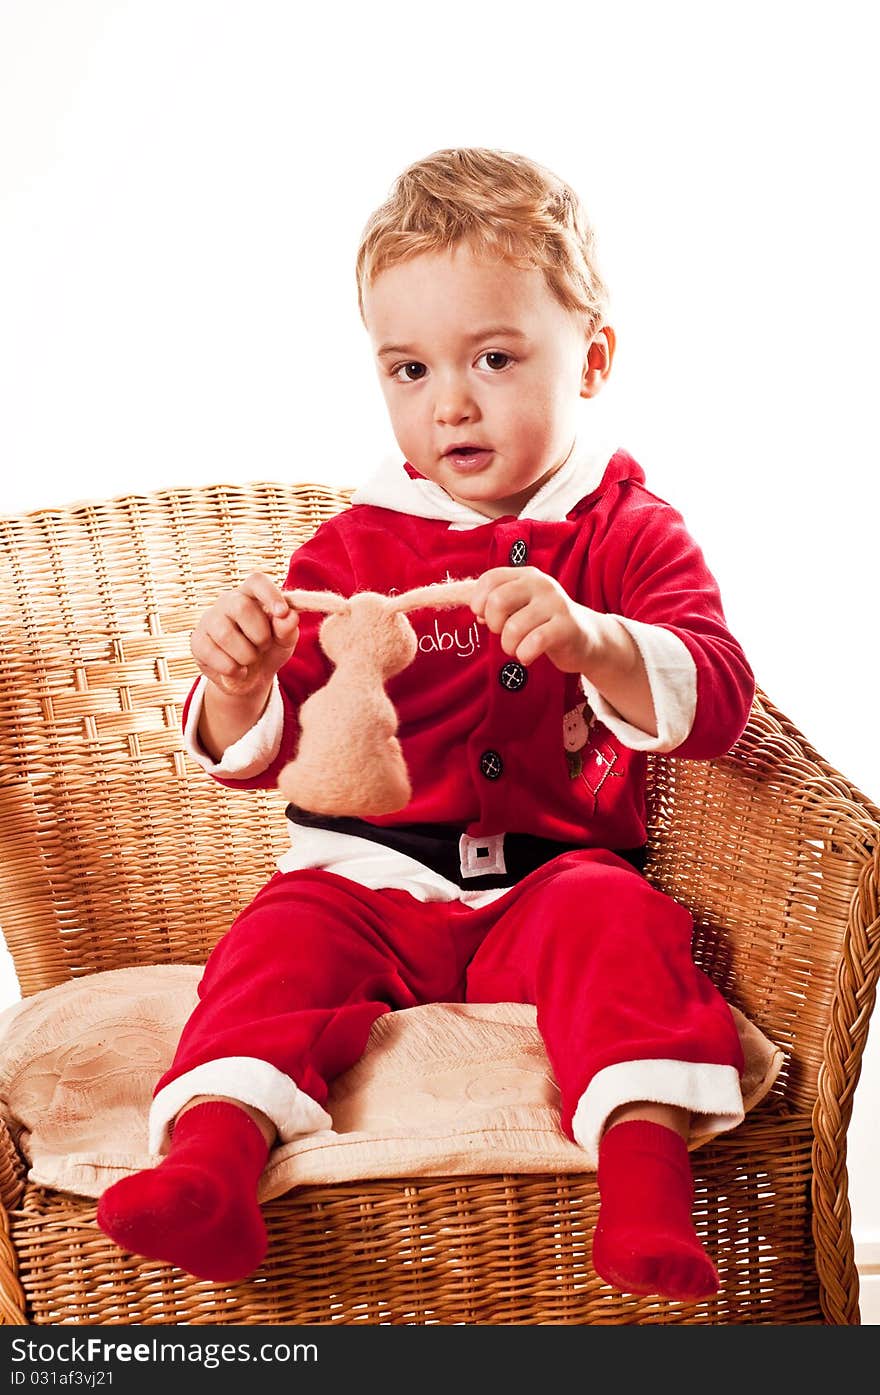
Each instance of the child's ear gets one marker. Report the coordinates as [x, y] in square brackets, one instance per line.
[600, 355]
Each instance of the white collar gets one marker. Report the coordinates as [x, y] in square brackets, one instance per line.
[390, 487]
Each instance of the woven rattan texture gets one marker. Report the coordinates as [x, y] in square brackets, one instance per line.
[126, 855]
[116, 852]
[485, 1250]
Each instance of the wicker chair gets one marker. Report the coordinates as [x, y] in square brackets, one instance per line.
[106, 829]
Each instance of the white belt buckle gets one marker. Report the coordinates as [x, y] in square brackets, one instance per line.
[482, 857]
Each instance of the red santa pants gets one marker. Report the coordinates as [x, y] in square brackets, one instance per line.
[308, 966]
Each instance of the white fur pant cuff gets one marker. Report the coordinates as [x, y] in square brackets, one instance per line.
[247, 1080]
[711, 1091]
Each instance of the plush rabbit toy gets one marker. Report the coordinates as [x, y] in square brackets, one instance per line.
[369, 639]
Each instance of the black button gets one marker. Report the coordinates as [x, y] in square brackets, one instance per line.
[513, 677]
[518, 553]
[491, 765]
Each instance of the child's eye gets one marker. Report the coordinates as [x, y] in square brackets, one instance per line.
[396, 371]
[490, 354]
[497, 353]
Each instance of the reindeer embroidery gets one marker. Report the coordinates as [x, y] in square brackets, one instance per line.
[369, 639]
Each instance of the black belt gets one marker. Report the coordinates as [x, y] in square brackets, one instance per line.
[436, 845]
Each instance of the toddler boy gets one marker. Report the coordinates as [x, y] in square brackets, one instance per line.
[595, 634]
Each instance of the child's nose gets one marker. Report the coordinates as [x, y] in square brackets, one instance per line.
[453, 400]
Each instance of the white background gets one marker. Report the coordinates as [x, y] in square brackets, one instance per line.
[182, 188]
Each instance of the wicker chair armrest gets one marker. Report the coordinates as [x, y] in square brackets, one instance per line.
[778, 858]
[13, 1168]
[840, 1070]
[12, 1177]
[12, 1300]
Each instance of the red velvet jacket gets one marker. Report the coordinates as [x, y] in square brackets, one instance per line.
[483, 738]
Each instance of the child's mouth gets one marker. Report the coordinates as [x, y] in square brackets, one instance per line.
[467, 460]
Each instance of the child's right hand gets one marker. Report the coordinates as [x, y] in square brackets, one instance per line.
[243, 639]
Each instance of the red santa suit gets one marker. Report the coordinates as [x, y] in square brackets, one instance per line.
[513, 873]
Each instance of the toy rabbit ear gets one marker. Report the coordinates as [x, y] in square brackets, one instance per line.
[326, 602]
[441, 595]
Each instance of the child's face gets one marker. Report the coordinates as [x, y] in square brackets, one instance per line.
[450, 376]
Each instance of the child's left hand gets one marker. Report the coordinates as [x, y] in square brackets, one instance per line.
[534, 615]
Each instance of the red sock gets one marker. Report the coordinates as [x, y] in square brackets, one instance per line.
[198, 1208]
[645, 1241]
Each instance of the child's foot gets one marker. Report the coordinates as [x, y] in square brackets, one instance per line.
[198, 1208]
[645, 1241]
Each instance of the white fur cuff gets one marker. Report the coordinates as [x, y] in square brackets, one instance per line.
[705, 1089]
[252, 753]
[247, 1080]
[672, 675]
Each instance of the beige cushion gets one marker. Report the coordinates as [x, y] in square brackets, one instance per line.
[443, 1089]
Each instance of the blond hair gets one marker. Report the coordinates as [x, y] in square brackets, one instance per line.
[503, 205]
